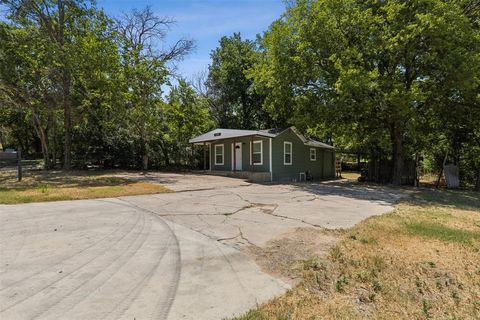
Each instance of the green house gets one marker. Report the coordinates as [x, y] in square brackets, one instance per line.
[266, 155]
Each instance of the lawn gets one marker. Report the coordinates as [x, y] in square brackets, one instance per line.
[39, 186]
[421, 261]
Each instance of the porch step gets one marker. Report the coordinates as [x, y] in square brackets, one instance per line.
[247, 175]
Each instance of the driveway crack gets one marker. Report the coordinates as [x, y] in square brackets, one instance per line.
[271, 212]
[239, 235]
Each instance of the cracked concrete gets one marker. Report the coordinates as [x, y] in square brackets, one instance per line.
[166, 256]
[263, 212]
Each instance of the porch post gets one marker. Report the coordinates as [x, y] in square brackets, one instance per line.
[234, 155]
[252, 167]
[204, 156]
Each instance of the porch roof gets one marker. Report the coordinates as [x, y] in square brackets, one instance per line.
[219, 134]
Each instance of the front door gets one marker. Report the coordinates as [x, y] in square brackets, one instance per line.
[238, 157]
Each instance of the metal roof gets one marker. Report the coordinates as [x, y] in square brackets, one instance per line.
[314, 143]
[219, 134]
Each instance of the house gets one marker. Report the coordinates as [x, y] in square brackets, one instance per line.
[266, 155]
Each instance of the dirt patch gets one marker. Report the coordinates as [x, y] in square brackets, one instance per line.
[285, 256]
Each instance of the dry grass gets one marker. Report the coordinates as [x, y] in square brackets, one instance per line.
[39, 186]
[350, 175]
[420, 262]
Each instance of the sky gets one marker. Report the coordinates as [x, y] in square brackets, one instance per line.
[205, 21]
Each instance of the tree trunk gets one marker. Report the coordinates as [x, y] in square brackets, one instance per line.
[144, 162]
[66, 83]
[166, 157]
[477, 184]
[67, 113]
[398, 155]
[143, 149]
[53, 140]
[43, 138]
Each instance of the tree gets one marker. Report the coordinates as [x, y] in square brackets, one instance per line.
[186, 114]
[62, 29]
[25, 84]
[145, 69]
[380, 69]
[234, 102]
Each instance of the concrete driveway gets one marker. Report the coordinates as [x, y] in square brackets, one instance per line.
[175, 255]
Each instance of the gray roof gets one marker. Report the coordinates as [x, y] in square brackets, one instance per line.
[219, 134]
[314, 143]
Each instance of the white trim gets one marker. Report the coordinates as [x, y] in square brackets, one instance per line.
[314, 154]
[270, 158]
[223, 154]
[210, 157]
[252, 152]
[285, 153]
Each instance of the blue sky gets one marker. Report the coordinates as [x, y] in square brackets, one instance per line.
[205, 21]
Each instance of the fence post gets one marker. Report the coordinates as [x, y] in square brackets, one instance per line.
[19, 164]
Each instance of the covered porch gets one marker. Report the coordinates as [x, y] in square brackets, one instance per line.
[238, 153]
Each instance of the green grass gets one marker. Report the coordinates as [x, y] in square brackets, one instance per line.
[252, 315]
[460, 199]
[441, 232]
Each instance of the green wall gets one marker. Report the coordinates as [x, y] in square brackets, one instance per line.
[245, 155]
[321, 168]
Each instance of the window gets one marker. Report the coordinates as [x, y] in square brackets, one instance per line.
[257, 153]
[287, 153]
[219, 154]
[313, 154]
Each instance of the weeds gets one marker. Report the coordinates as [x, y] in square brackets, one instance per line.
[441, 232]
[340, 283]
[419, 262]
[426, 306]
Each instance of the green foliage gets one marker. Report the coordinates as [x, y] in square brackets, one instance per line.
[233, 99]
[186, 115]
[387, 77]
[92, 83]
[390, 78]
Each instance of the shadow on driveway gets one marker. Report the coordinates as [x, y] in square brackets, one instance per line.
[355, 190]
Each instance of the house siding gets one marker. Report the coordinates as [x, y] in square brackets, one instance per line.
[321, 168]
[227, 165]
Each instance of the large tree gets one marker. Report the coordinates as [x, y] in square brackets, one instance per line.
[370, 69]
[61, 41]
[233, 101]
[186, 114]
[145, 67]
